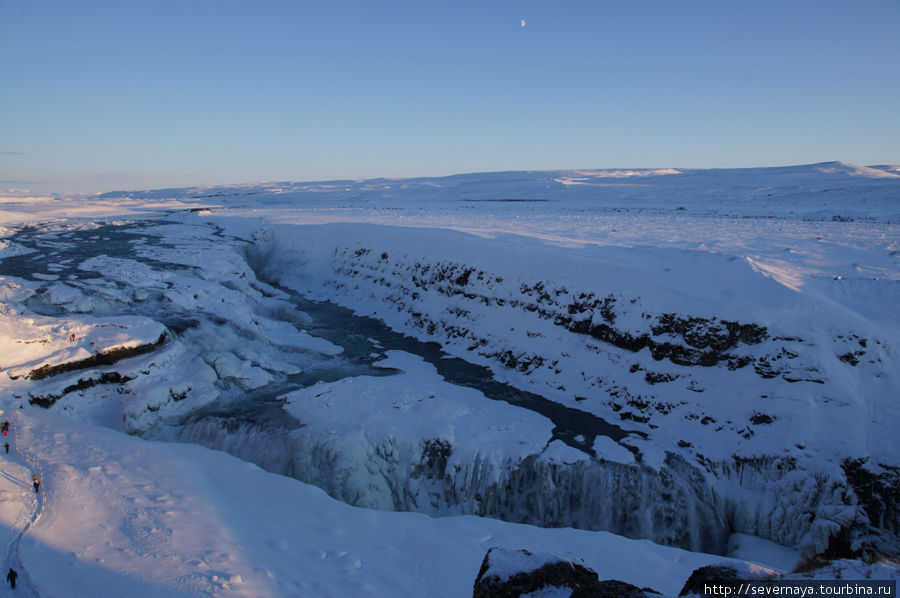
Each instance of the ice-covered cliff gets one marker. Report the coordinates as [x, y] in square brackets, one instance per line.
[414, 442]
[766, 392]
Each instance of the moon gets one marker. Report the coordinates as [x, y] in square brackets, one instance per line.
[523, 23]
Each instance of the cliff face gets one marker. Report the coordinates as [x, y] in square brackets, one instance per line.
[760, 392]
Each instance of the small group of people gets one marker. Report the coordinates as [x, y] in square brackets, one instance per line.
[4, 427]
[13, 574]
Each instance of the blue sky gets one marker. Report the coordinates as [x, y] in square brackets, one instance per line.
[110, 95]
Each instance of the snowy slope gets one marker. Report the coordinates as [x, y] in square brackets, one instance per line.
[122, 516]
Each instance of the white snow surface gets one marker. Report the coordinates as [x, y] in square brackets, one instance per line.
[29, 343]
[808, 252]
[503, 564]
[123, 516]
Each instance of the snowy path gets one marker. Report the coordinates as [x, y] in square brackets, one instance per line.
[20, 507]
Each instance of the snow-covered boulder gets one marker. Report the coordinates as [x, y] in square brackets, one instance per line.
[507, 573]
[724, 573]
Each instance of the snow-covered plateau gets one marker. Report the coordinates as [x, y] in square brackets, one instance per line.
[651, 370]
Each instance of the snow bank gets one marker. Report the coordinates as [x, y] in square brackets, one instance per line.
[125, 516]
[35, 346]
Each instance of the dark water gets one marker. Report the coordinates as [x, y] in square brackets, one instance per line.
[342, 327]
[59, 252]
[364, 339]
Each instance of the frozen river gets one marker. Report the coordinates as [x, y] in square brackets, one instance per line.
[55, 256]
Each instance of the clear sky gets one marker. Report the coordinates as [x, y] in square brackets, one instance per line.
[100, 95]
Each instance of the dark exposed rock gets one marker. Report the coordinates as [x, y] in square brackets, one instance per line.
[736, 363]
[497, 579]
[878, 491]
[97, 359]
[764, 369]
[703, 341]
[179, 395]
[629, 416]
[463, 279]
[434, 458]
[793, 379]
[494, 581]
[761, 418]
[705, 333]
[712, 575]
[851, 357]
[658, 377]
[612, 588]
[707, 341]
[523, 362]
[47, 401]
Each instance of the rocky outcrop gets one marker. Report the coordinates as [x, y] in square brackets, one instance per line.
[577, 339]
[700, 581]
[48, 400]
[873, 577]
[683, 340]
[97, 359]
[509, 573]
[877, 488]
